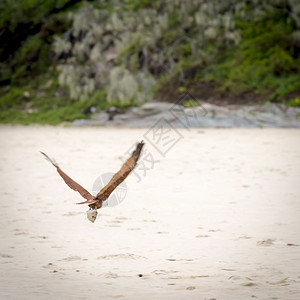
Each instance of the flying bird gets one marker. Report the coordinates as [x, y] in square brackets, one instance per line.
[96, 202]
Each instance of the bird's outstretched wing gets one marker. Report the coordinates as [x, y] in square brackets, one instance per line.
[119, 177]
[70, 182]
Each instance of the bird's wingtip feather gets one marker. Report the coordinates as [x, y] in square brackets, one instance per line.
[53, 162]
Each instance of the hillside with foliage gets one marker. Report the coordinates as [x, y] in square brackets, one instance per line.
[59, 58]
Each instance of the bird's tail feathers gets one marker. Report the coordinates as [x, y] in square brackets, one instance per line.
[88, 202]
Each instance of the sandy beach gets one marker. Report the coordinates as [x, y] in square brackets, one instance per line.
[216, 217]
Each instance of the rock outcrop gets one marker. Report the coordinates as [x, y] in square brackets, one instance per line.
[206, 115]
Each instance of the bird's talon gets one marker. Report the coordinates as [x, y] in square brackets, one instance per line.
[92, 214]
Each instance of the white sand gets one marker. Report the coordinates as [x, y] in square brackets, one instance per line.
[211, 220]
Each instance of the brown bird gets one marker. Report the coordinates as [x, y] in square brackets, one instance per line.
[96, 202]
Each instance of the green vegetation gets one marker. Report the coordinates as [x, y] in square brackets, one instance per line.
[190, 103]
[40, 103]
[267, 61]
[15, 12]
[294, 102]
[60, 57]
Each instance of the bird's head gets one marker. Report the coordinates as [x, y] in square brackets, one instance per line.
[92, 214]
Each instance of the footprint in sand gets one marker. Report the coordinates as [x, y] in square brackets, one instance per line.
[191, 288]
[282, 282]
[121, 218]
[265, 243]
[244, 237]
[21, 233]
[249, 284]
[271, 242]
[198, 276]
[175, 277]
[42, 237]
[48, 266]
[202, 236]
[160, 272]
[5, 255]
[121, 255]
[71, 213]
[115, 221]
[235, 277]
[180, 259]
[73, 258]
[111, 275]
[164, 272]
